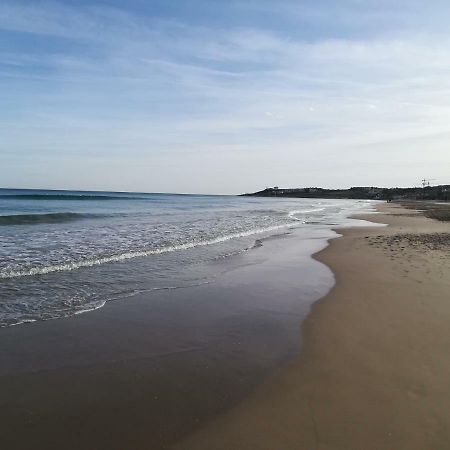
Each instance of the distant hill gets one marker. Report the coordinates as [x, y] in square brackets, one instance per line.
[441, 192]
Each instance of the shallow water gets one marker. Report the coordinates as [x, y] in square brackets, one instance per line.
[67, 252]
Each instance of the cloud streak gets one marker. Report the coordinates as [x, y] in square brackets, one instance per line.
[113, 84]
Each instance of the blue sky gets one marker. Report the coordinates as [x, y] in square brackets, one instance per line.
[223, 97]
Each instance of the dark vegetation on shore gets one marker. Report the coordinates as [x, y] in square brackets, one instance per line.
[438, 193]
[433, 210]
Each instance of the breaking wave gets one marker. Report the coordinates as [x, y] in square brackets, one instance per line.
[133, 254]
[81, 197]
[31, 219]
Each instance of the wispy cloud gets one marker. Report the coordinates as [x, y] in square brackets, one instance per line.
[112, 84]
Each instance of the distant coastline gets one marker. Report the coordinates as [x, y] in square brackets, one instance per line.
[441, 192]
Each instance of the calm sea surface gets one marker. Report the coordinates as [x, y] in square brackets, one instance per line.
[67, 252]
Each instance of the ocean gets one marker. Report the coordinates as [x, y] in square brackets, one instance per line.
[69, 252]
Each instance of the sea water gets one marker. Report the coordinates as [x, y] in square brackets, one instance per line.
[67, 252]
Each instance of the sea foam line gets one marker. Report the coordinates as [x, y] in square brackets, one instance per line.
[131, 255]
[292, 214]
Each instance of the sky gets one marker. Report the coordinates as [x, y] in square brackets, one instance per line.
[223, 97]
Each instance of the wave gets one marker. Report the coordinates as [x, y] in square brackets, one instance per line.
[81, 197]
[58, 315]
[33, 219]
[135, 254]
[292, 214]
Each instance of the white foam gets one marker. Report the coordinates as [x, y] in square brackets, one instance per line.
[137, 254]
[294, 212]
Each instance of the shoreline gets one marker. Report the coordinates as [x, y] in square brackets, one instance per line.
[373, 370]
[176, 370]
[146, 371]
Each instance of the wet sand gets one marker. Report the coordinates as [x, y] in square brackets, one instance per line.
[374, 370]
[183, 369]
[143, 372]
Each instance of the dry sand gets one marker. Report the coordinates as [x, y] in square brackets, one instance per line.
[374, 372]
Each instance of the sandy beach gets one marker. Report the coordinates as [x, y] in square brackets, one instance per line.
[224, 225]
[367, 369]
[374, 369]
[143, 372]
